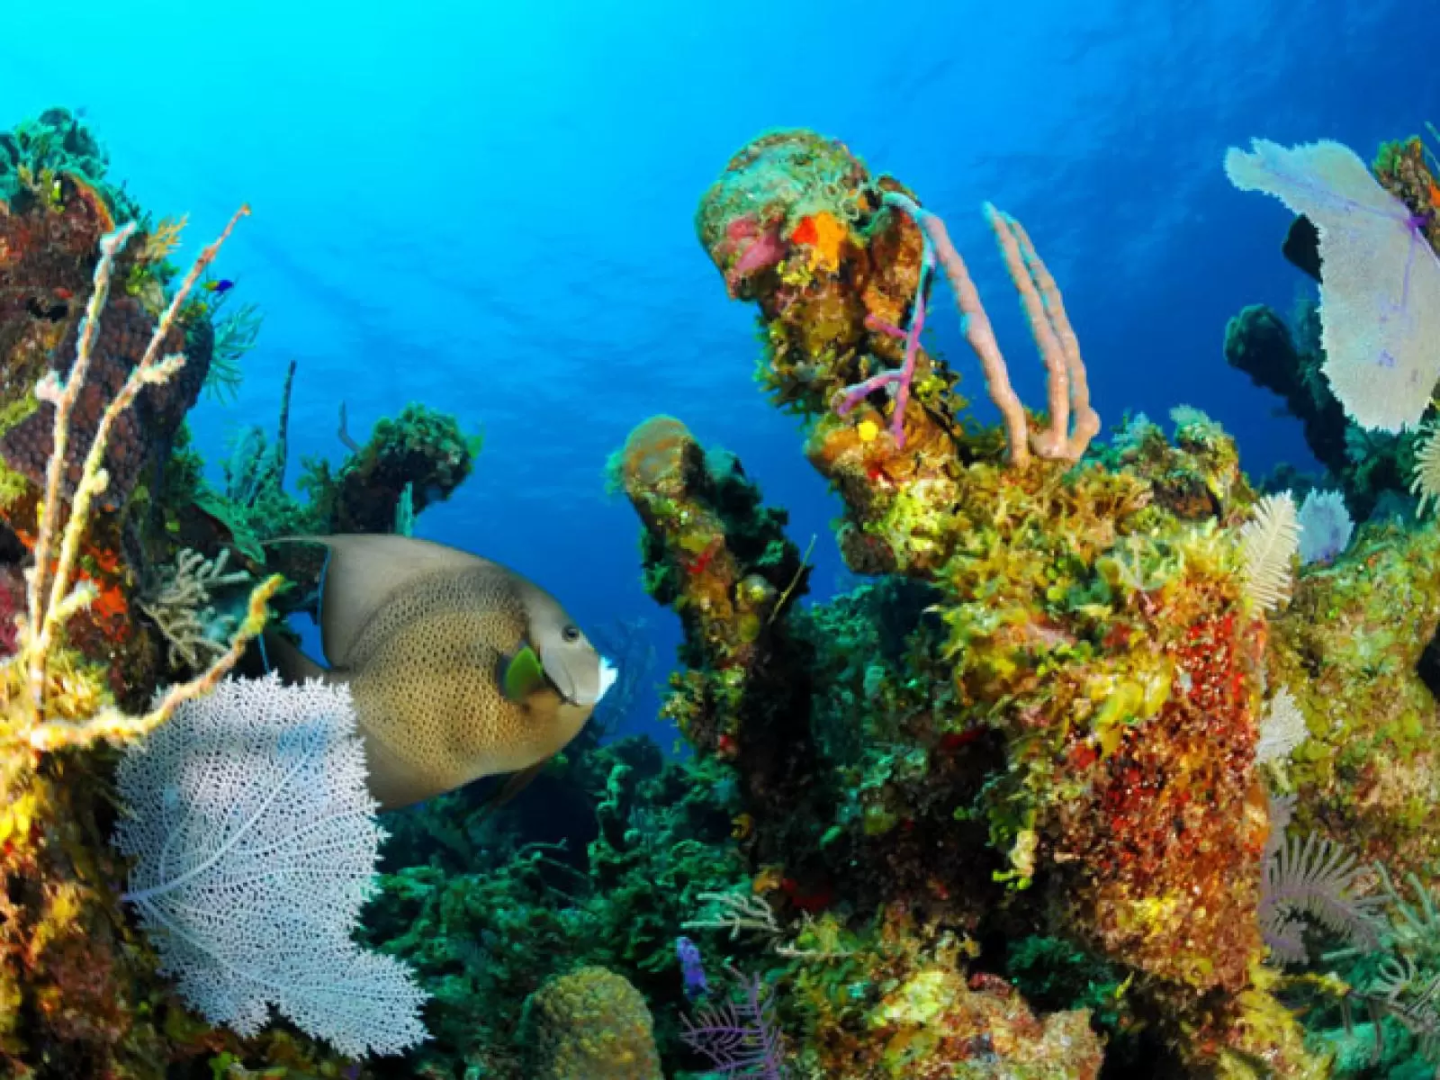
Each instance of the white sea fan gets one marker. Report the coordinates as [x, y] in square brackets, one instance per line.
[255, 844]
[1380, 295]
[1325, 527]
[1282, 728]
[1268, 542]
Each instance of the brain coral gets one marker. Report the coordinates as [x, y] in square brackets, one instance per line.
[591, 1025]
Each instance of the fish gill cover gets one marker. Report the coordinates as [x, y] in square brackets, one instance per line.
[1070, 748]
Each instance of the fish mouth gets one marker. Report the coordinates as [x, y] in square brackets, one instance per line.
[569, 689]
[607, 676]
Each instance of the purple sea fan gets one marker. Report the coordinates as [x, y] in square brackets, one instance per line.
[740, 1037]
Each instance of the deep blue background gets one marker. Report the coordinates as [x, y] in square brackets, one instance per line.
[489, 207]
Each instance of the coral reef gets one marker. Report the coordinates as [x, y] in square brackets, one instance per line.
[1015, 807]
[598, 867]
[835, 259]
[96, 390]
[76, 983]
[723, 561]
[422, 451]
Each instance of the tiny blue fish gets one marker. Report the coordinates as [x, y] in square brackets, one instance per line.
[224, 285]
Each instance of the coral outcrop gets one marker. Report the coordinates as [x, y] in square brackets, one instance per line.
[1094, 698]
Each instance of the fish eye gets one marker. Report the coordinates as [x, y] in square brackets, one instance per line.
[571, 633]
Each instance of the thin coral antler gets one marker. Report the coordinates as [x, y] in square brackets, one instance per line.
[50, 599]
[93, 478]
[41, 622]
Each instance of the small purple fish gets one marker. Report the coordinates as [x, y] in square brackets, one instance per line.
[691, 968]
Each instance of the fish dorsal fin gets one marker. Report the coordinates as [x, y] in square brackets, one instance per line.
[366, 571]
[523, 675]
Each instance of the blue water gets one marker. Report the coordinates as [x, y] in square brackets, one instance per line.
[489, 207]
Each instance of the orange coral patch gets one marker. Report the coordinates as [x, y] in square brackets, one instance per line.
[824, 235]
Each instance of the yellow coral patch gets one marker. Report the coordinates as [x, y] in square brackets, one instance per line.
[15, 819]
[920, 1000]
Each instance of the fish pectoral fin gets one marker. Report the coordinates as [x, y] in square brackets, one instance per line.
[514, 784]
[523, 675]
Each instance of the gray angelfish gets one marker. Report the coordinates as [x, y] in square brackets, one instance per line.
[459, 668]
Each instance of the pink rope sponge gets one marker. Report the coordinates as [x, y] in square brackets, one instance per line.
[1069, 394]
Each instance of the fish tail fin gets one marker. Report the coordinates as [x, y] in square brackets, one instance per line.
[289, 660]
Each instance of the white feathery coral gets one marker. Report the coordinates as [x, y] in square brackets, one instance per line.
[1268, 544]
[1282, 728]
[1425, 477]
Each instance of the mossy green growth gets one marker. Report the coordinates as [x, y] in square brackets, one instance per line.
[1054, 974]
[1372, 616]
[12, 412]
[57, 142]
[13, 485]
